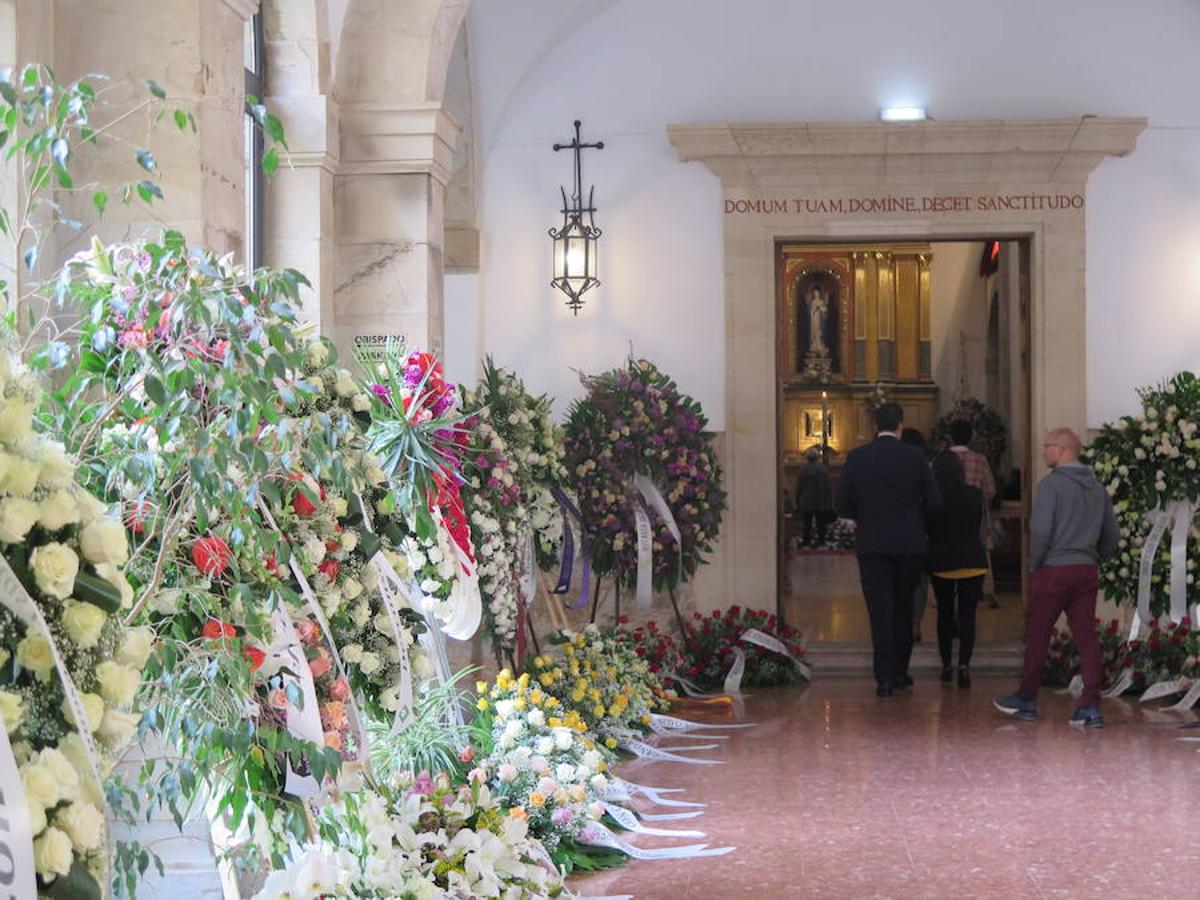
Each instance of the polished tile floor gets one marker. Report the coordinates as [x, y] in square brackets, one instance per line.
[826, 604]
[930, 794]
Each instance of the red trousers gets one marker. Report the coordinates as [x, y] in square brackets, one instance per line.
[1054, 590]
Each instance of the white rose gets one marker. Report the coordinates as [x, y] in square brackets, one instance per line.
[564, 772]
[351, 589]
[349, 540]
[72, 748]
[370, 579]
[103, 541]
[361, 614]
[41, 787]
[118, 683]
[369, 663]
[37, 815]
[360, 403]
[52, 854]
[314, 550]
[16, 419]
[11, 710]
[352, 653]
[58, 510]
[58, 470]
[421, 665]
[340, 506]
[167, 602]
[84, 622]
[33, 653]
[544, 746]
[83, 824]
[17, 516]
[599, 782]
[18, 475]
[345, 386]
[505, 708]
[562, 738]
[136, 648]
[537, 718]
[118, 727]
[383, 623]
[54, 568]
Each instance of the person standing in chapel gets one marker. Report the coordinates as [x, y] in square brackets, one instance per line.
[887, 488]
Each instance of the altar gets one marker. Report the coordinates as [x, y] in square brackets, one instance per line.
[854, 327]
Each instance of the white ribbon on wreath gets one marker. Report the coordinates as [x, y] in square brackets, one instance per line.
[645, 545]
[1177, 515]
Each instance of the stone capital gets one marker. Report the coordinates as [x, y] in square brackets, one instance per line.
[984, 151]
[377, 138]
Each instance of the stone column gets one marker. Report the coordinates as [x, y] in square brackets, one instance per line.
[390, 200]
[299, 227]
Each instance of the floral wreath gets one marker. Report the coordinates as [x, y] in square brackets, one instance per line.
[1147, 462]
[634, 420]
[990, 433]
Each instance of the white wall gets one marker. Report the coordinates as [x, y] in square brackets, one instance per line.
[631, 67]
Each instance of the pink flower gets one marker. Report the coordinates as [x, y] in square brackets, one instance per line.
[308, 631]
[507, 772]
[479, 774]
[339, 690]
[423, 785]
[320, 664]
[539, 765]
[563, 816]
[466, 754]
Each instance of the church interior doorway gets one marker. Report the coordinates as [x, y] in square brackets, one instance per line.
[943, 329]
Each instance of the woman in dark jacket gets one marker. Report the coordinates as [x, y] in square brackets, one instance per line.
[958, 562]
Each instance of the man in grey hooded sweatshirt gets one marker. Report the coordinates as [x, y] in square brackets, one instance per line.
[1072, 529]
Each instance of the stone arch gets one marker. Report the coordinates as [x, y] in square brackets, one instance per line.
[401, 50]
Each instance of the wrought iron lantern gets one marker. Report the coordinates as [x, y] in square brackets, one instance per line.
[576, 239]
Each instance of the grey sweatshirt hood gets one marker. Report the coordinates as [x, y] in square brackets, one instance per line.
[1073, 521]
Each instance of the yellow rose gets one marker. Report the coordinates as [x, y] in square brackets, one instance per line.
[117, 727]
[33, 653]
[58, 510]
[536, 799]
[84, 622]
[17, 516]
[52, 854]
[37, 815]
[63, 771]
[54, 568]
[136, 648]
[11, 710]
[103, 541]
[93, 707]
[83, 824]
[118, 683]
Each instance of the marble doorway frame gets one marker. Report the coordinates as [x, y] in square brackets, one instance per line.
[887, 182]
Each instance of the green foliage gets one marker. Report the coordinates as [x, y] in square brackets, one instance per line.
[428, 740]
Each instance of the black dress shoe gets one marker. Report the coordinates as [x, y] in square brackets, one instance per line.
[947, 674]
[903, 682]
[964, 677]
[884, 690]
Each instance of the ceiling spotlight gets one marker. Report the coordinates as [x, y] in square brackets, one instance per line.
[902, 114]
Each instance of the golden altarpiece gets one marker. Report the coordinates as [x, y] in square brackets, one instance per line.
[854, 322]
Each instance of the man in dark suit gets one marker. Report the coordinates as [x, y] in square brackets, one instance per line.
[887, 488]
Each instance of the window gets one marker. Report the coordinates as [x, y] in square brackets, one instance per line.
[255, 186]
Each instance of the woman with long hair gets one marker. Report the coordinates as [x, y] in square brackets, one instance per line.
[921, 597]
[958, 562]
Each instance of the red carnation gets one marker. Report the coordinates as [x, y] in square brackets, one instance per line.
[329, 568]
[211, 555]
[255, 656]
[215, 629]
[302, 505]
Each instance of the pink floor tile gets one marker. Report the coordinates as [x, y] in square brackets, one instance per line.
[930, 794]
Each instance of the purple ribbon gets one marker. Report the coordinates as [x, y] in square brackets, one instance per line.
[568, 555]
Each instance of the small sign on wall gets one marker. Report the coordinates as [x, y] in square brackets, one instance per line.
[373, 347]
